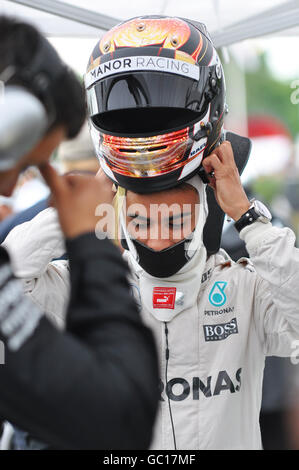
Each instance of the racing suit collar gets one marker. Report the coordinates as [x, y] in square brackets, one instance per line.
[186, 283]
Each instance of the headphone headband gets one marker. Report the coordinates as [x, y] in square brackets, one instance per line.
[44, 70]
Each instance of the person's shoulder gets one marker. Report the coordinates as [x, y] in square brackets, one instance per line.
[224, 261]
[17, 219]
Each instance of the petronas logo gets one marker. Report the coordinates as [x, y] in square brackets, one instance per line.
[217, 296]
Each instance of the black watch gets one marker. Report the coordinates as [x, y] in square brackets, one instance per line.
[257, 211]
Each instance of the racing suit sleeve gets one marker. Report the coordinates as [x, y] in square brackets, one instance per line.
[276, 305]
[93, 386]
[32, 246]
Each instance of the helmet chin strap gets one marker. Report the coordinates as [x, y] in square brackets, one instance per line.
[196, 240]
[213, 227]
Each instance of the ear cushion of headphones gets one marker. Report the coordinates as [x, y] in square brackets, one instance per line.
[23, 117]
[44, 69]
[23, 121]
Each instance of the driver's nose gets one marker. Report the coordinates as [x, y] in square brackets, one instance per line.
[158, 245]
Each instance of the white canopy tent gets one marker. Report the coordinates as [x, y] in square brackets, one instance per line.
[229, 21]
[74, 26]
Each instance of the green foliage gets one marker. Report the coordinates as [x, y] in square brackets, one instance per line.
[267, 187]
[268, 95]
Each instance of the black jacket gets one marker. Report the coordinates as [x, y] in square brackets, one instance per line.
[93, 386]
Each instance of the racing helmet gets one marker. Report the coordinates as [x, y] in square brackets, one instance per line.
[156, 100]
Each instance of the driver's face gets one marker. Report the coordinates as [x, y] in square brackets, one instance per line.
[162, 219]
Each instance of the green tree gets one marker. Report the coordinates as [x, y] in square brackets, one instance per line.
[268, 95]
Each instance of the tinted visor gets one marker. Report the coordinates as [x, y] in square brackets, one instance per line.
[146, 90]
[146, 156]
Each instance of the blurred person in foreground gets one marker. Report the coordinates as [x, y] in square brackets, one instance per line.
[76, 155]
[94, 385]
[6, 208]
[156, 95]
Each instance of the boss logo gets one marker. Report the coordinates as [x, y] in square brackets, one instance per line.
[220, 331]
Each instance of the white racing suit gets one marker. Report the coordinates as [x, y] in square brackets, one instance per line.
[220, 327]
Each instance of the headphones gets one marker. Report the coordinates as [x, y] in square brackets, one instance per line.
[27, 110]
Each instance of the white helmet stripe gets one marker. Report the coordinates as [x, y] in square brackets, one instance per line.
[145, 63]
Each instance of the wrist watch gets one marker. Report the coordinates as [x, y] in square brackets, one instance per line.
[257, 211]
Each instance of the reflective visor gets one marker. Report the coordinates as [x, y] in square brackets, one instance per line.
[147, 90]
[146, 156]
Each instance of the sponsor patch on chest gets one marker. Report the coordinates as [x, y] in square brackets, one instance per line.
[220, 331]
[164, 297]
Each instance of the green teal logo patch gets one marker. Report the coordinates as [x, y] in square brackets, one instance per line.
[217, 296]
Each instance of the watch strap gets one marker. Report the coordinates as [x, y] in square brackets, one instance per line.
[248, 218]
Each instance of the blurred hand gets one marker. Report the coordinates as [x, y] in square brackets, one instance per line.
[76, 198]
[100, 176]
[225, 181]
[5, 211]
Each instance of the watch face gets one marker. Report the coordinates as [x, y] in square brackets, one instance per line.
[262, 211]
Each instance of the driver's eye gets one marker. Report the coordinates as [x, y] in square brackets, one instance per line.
[176, 226]
[141, 225]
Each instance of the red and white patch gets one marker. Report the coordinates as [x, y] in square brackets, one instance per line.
[164, 297]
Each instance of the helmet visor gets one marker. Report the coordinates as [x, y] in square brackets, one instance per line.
[146, 156]
[146, 90]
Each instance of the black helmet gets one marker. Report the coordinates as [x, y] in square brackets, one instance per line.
[156, 99]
